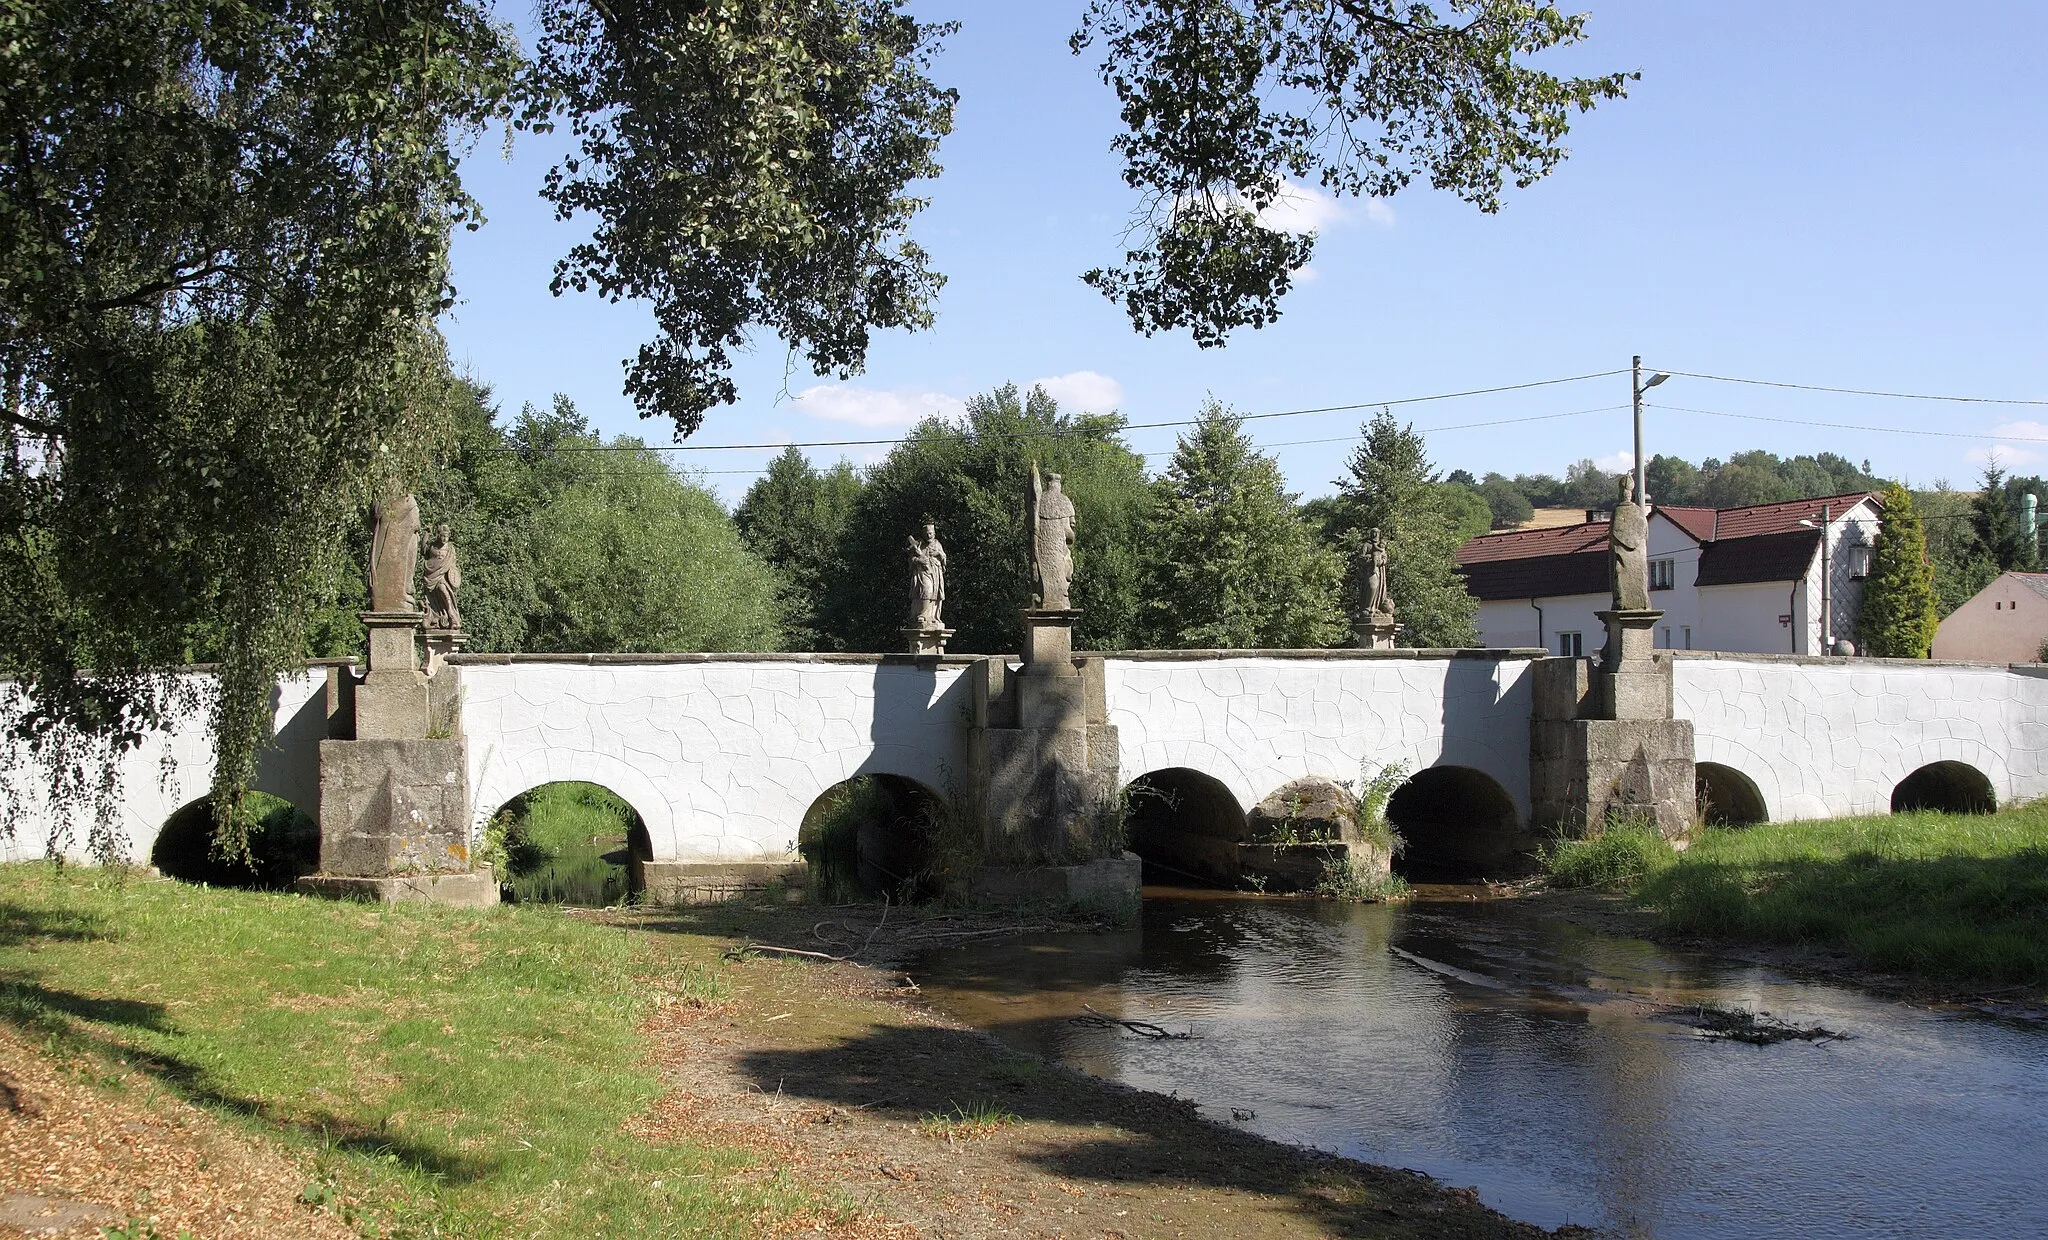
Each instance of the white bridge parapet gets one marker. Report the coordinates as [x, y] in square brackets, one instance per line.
[722, 755]
[1826, 737]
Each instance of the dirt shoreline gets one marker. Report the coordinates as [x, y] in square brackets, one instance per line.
[836, 1072]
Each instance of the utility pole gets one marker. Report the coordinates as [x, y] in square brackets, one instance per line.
[1638, 387]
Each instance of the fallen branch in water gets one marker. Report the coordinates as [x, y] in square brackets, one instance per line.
[1143, 1028]
[1755, 1028]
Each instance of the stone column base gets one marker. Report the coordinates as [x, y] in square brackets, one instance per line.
[1377, 633]
[1585, 773]
[1108, 884]
[476, 889]
[926, 641]
[715, 882]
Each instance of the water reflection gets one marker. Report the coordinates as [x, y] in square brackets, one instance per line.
[1488, 1045]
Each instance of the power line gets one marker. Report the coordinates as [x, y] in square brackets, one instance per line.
[1851, 426]
[1842, 391]
[1128, 426]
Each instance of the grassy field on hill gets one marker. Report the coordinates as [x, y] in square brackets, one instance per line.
[1954, 899]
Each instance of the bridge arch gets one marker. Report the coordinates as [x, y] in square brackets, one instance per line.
[873, 834]
[1457, 824]
[1727, 797]
[570, 841]
[1950, 786]
[495, 783]
[1186, 823]
[284, 843]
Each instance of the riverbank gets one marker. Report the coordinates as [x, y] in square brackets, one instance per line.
[1949, 905]
[539, 1073]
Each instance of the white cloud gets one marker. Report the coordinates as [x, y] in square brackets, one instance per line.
[2006, 454]
[1305, 208]
[869, 407]
[1083, 391]
[1615, 463]
[2020, 430]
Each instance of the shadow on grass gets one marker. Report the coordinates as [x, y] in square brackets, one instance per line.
[21, 924]
[1949, 919]
[91, 1024]
[908, 1073]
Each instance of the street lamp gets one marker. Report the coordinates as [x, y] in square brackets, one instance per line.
[1827, 611]
[1636, 370]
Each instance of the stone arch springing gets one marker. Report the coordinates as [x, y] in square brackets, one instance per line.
[569, 842]
[284, 844]
[1185, 825]
[1727, 797]
[1950, 786]
[874, 835]
[1456, 824]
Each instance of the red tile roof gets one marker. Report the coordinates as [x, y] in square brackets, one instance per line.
[1757, 542]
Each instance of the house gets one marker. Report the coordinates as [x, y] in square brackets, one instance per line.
[1738, 579]
[2005, 622]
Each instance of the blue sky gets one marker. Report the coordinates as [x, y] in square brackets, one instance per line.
[1837, 194]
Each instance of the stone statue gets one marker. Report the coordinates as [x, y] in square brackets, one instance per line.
[927, 580]
[443, 583]
[394, 552]
[1628, 537]
[1052, 543]
[1379, 599]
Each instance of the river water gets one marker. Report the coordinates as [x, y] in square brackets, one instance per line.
[1546, 1065]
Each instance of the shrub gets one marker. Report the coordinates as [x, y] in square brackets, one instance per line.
[1621, 853]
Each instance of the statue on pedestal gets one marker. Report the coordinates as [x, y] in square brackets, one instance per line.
[443, 583]
[927, 580]
[394, 552]
[1628, 538]
[1379, 598]
[1050, 517]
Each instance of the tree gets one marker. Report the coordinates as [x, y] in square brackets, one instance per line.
[1898, 618]
[1995, 519]
[1961, 568]
[1505, 501]
[1671, 480]
[1229, 562]
[970, 480]
[1390, 486]
[1589, 485]
[794, 517]
[1224, 100]
[223, 239]
[631, 557]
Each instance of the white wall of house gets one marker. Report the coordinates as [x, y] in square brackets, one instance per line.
[1745, 617]
[1515, 622]
[1680, 629]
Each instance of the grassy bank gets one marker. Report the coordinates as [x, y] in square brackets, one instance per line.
[437, 1073]
[1949, 898]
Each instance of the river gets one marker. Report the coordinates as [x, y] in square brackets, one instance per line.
[1546, 1065]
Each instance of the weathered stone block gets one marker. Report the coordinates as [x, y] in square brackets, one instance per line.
[392, 706]
[1586, 771]
[390, 807]
[1051, 695]
[1640, 691]
[692, 882]
[1049, 635]
[475, 889]
[1107, 883]
[444, 702]
[1561, 688]
[1631, 637]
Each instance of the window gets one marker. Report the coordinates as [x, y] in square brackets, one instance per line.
[1664, 638]
[1570, 646]
[1663, 574]
[1686, 630]
[1859, 560]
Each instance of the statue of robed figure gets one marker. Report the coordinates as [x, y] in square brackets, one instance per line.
[394, 552]
[1049, 518]
[1379, 597]
[927, 580]
[443, 583]
[1628, 538]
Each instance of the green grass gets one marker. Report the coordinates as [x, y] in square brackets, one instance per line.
[438, 1072]
[1956, 899]
[564, 843]
[1622, 855]
[979, 1119]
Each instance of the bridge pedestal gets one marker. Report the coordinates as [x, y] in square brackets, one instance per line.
[1042, 775]
[1603, 745]
[394, 782]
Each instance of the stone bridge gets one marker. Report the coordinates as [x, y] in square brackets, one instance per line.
[724, 756]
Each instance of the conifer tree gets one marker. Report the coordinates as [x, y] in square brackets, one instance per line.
[2001, 534]
[1391, 486]
[1899, 618]
[1229, 561]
